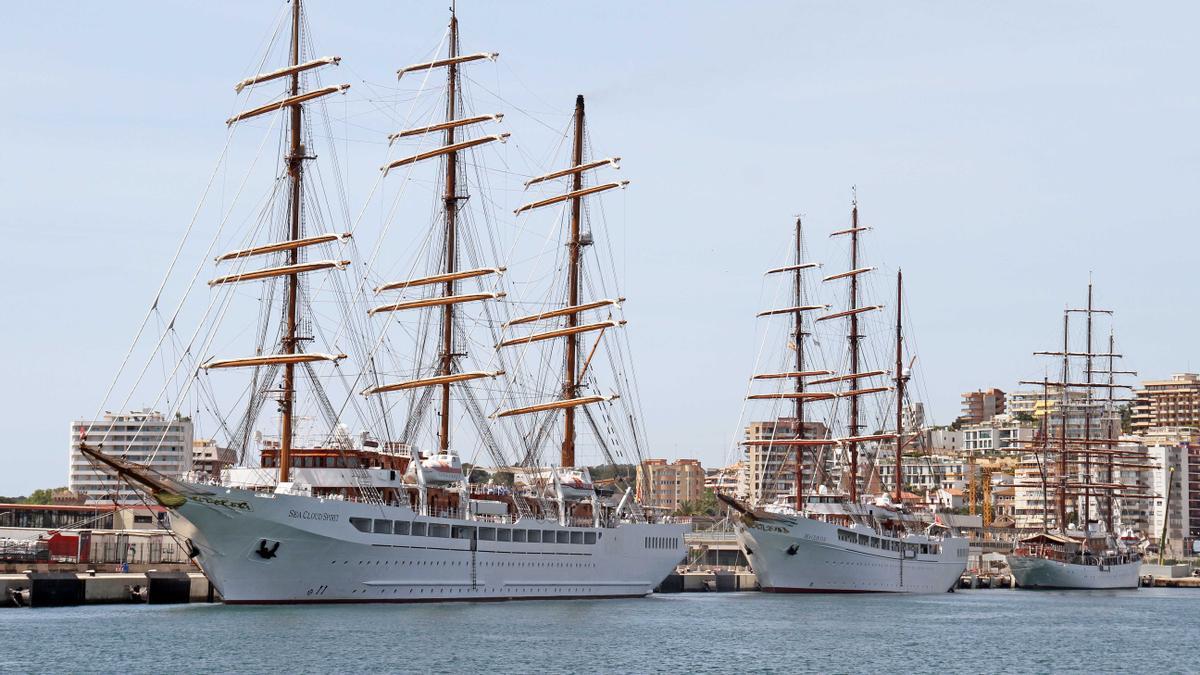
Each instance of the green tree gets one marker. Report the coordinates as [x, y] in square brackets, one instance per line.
[706, 505]
[42, 496]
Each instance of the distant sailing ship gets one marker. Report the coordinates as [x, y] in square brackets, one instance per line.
[1083, 468]
[834, 538]
[359, 519]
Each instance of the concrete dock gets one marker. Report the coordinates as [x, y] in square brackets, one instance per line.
[65, 589]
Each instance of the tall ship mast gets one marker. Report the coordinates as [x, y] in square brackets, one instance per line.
[372, 517]
[1080, 546]
[852, 536]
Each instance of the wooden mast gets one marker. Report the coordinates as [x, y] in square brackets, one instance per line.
[899, 386]
[450, 206]
[295, 161]
[798, 333]
[1062, 454]
[1087, 417]
[1111, 431]
[854, 427]
[570, 385]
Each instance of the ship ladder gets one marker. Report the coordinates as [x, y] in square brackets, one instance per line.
[474, 549]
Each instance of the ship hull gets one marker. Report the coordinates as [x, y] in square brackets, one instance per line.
[1035, 572]
[802, 555]
[261, 548]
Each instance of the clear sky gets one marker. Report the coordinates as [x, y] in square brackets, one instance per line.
[1001, 150]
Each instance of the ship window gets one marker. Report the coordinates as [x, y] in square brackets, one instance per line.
[863, 539]
[383, 526]
[547, 536]
[519, 535]
[361, 524]
[418, 529]
[564, 537]
[843, 535]
[874, 542]
[401, 527]
[329, 462]
[439, 530]
[504, 535]
[462, 532]
[589, 537]
[576, 537]
[535, 536]
[487, 534]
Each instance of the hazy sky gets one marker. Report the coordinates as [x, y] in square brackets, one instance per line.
[1001, 150]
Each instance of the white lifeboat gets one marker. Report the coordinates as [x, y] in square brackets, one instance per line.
[576, 484]
[444, 468]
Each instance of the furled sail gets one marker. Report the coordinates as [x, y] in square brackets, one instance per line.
[284, 72]
[438, 301]
[444, 150]
[571, 195]
[283, 246]
[614, 161]
[440, 278]
[561, 332]
[432, 381]
[565, 311]
[272, 359]
[555, 405]
[442, 126]
[441, 63]
[792, 310]
[289, 101]
[280, 271]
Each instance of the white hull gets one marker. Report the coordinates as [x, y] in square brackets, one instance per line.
[798, 555]
[1033, 572]
[315, 553]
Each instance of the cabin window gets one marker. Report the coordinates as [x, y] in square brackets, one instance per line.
[576, 537]
[419, 529]
[548, 536]
[383, 526]
[439, 530]
[361, 524]
[519, 536]
[401, 527]
[589, 537]
[487, 534]
[564, 537]
[874, 542]
[329, 462]
[535, 536]
[863, 539]
[843, 535]
[462, 532]
[504, 535]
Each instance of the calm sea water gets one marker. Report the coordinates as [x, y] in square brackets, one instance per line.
[1149, 630]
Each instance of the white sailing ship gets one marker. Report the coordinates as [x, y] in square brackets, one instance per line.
[1081, 466]
[340, 519]
[836, 539]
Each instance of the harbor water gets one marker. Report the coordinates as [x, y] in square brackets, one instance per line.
[1147, 630]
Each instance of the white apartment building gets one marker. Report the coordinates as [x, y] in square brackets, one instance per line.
[771, 469]
[1001, 433]
[924, 474]
[1182, 514]
[144, 436]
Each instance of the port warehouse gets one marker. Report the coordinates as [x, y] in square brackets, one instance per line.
[86, 535]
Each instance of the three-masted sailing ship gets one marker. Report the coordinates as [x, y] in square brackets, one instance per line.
[851, 536]
[1080, 464]
[378, 520]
